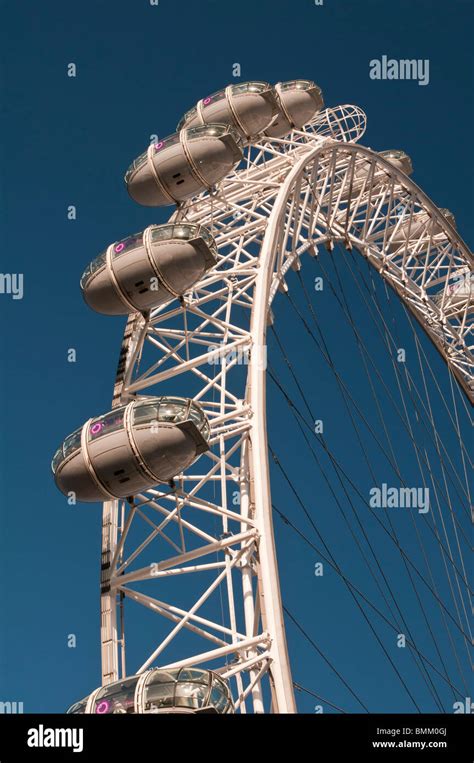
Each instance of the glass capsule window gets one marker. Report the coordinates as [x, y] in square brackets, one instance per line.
[206, 235]
[93, 267]
[110, 422]
[166, 232]
[251, 87]
[198, 132]
[138, 162]
[214, 130]
[162, 409]
[159, 692]
[71, 444]
[205, 430]
[186, 231]
[191, 114]
[298, 84]
[172, 410]
[144, 413]
[162, 233]
[393, 154]
[115, 698]
[209, 239]
[78, 708]
[447, 213]
[219, 695]
[85, 276]
[400, 155]
[197, 415]
[190, 688]
[190, 694]
[57, 458]
[199, 419]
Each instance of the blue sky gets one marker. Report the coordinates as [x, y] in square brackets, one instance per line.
[67, 141]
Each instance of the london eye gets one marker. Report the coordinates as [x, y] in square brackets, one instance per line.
[264, 181]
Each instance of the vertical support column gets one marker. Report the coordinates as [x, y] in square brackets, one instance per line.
[131, 343]
[108, 606]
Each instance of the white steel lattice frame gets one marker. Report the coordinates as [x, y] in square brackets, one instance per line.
[288, 197]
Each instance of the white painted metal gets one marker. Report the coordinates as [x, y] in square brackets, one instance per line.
[289, 196]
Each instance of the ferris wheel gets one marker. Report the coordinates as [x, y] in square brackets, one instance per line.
[259, 175]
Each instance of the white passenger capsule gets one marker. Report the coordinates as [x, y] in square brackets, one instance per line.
[149, 268]
[160, 690]
[367, 176]
[131, 448]
[399, 159]
[248, 107]
[183, 165]
[298, 101]
[418, 228]
[457, 294]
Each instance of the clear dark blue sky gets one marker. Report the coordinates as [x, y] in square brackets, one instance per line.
[67, 142]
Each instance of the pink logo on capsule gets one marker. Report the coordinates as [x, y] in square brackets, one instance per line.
[159, 145]
[206, 100]
[119, 247]
[102, 707]
[96, 428]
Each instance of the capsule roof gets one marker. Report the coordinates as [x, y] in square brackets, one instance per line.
[448, 215]
[399, 156]
[392, 153]
[299, 84]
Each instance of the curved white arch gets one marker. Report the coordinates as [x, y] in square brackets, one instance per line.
[292, 195]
